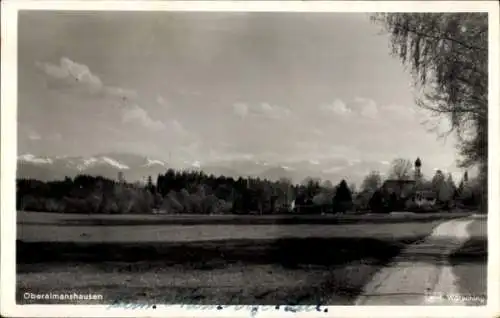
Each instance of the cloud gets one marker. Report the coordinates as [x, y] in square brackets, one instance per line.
[78, 76]
[403, 112]
[120, 92]
[337, 107]
[161, 101]
[33, 135]
[368, 107]
[273, 111]
[72, 71]
[136, 114]
[261, 110]
[179, 128]
[240, 110]
[196, 164]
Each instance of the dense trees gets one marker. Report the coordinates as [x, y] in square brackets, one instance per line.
[448, 56]
[342, 201]
[443, 186]
[194, 192]
[174, 192]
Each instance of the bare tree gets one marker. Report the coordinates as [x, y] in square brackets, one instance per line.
[372, 182]
[401, 169]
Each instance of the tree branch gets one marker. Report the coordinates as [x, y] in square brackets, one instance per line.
[439, 37]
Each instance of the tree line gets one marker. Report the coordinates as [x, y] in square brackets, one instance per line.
[194, 192]
[190, 192]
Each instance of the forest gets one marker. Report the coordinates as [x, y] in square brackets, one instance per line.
[194, 192]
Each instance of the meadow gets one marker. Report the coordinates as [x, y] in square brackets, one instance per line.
[212, 259]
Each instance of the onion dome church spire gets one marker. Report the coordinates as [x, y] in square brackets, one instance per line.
[418, 165]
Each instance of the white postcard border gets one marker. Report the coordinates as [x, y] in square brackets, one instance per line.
[9, 150]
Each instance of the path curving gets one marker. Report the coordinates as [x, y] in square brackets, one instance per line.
[421, 272]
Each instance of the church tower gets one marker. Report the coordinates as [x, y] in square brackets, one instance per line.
[418, 173]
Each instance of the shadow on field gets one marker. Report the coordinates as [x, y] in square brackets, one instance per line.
[321, 270]
[287, 252]
[473, 251]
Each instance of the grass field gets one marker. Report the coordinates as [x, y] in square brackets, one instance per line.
[53, 227]
[211, 259]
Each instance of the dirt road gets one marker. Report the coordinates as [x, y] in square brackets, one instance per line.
[421, 274]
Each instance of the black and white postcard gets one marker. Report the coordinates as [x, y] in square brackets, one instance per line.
[244, 159]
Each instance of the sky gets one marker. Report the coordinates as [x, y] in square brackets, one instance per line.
[208, 86]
